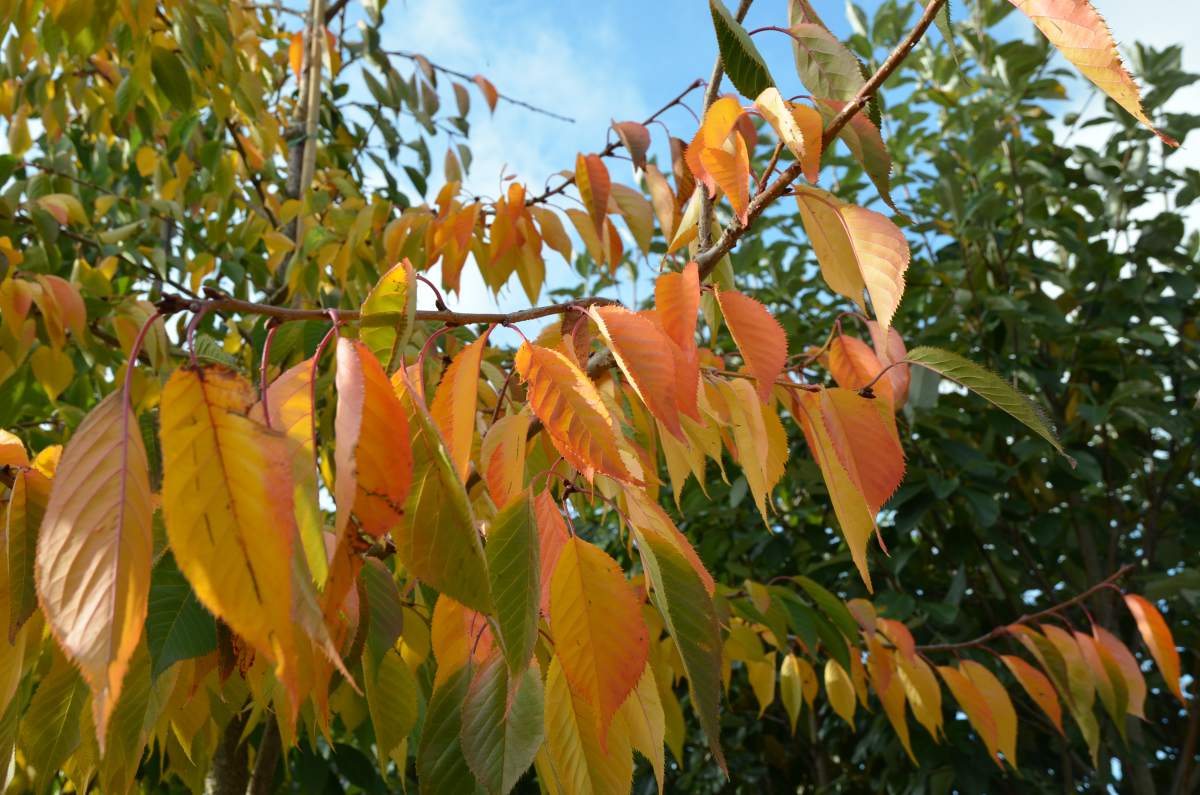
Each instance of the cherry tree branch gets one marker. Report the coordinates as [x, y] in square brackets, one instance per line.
[1000, 632]
[708, 259]
[220, 303]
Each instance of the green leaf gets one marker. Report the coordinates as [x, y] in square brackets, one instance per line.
[177, 625]
[942, 20]
[437, 540]
[23, 516]
[498, 741]
[388, 313]
[172, 78]
[392, 696]
[823, 64]
[691, 618]
[832, 606]
[743, 63]
[988, 386]
[441, 766]
[512, 557]
[385, 612]
[50, 730]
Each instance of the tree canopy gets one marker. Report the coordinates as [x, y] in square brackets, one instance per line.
[887, 486]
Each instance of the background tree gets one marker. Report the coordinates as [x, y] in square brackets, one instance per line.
[481, 574]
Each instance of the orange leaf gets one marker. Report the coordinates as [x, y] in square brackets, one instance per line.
[552, 536]
[1037, 686]
[1080, 34]
[866, 445]
[296, 53]
[730, 171]
[890, 349]
[454, 404]
[676, 304]
[490, 95]
[595, 186]
[1000, 705]
[572, 412]
[599, 635]
[373, 456]
[649, 517]
[798, 128]
[849, 505]
[719, 121]
[759, 337]
[1158, 639]
[643, 352]
[975, 705]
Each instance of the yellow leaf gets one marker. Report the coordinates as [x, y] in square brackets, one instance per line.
[454, 404]
[1000, 705]
[762, 681]
[798, 128]
[1037, 686]
[227, 507]
[599, 635]
[856, 248]
[94, 550]
[730, 171]
[645, 721]
[581, 765]
[53, 369]
[146, 160]
[840, 691]
[975, 706]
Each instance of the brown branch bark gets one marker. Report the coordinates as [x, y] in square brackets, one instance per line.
[708, 259]
[1000, 632]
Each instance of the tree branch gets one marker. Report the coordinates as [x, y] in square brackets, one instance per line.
[218, 302]
[1000, 632]
[708, 259]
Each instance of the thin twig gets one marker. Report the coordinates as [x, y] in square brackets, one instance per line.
[708, 259]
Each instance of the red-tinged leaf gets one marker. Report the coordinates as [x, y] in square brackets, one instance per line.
[490, 95]
[759, 337]
[599, 635]
[1135, 683]
[1003, 713]
[296, 53]
[595, 186]
[1081, 35]
[975, 706]
[890, 349]
[71, 312]
[866, 145]
[643, 352]
[572, 412]
[1110, 682]
[502, 457]
[856, 248]
[1157, 638]
[892, 695]
[94, 551]
[23, 516]
[454, 404]
[552, 537]
[373, 456]
[1037, 686]
[853, 515]
[730, 171]
[458, 634]
[636, 139]
[865, 444]
[852, 362]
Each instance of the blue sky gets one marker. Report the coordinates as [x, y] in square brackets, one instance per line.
[622, 60]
